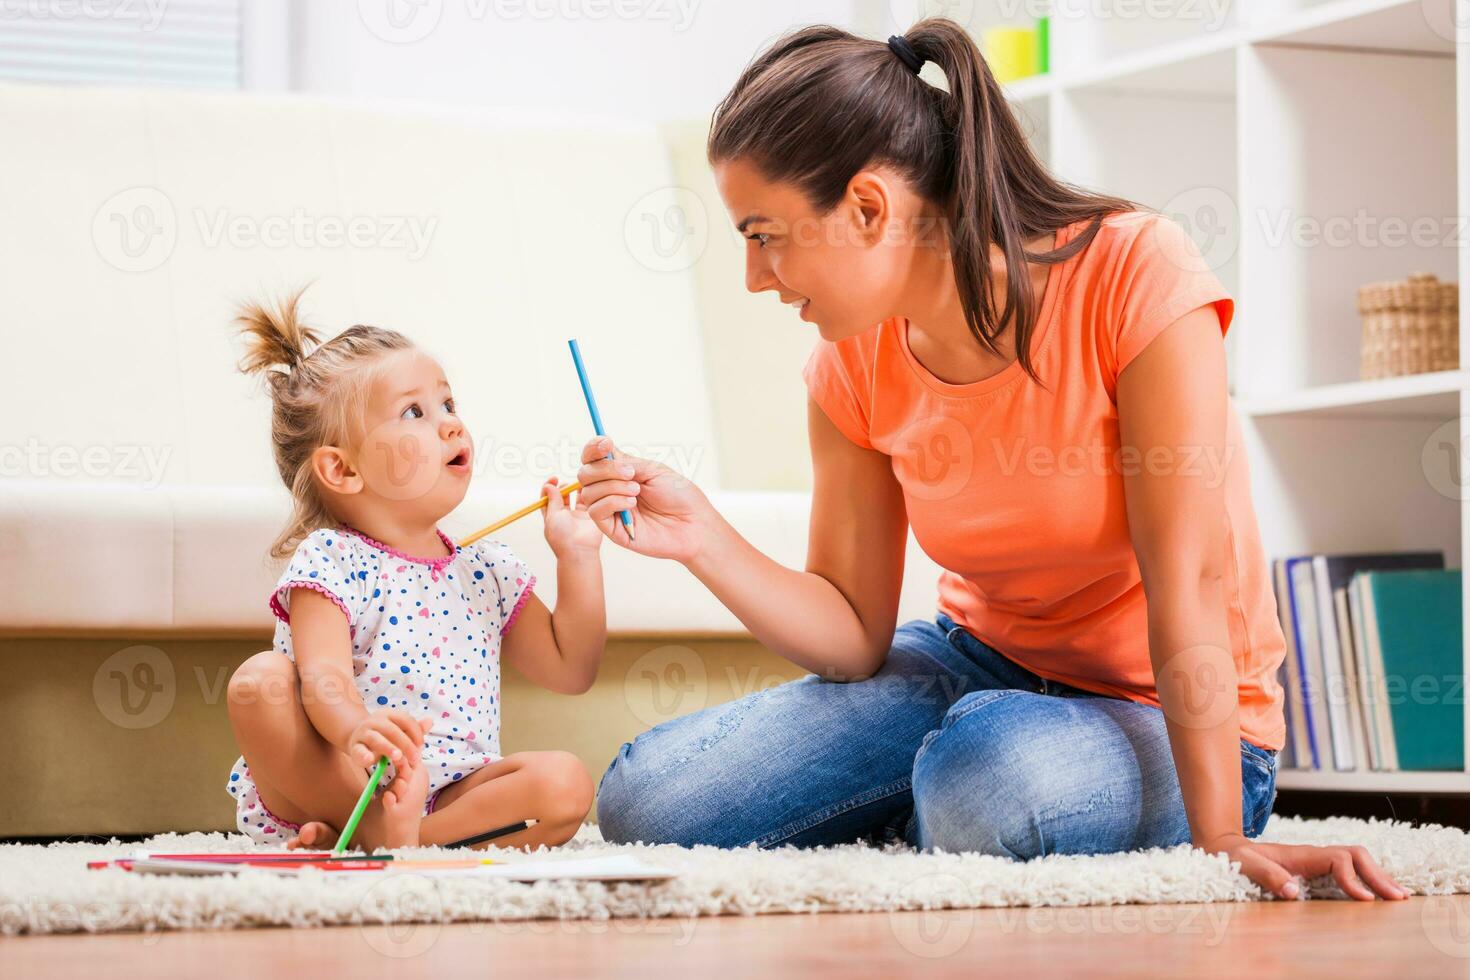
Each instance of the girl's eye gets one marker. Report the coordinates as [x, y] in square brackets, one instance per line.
[412, 412]
[449, 405]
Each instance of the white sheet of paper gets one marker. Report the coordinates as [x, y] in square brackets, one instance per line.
[611, 867]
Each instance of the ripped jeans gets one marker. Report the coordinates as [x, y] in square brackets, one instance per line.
[950, 746]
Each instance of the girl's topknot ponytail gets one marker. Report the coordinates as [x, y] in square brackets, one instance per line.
[275, 336]
[317, 395]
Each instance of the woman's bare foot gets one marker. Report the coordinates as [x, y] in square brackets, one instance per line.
[392, 820]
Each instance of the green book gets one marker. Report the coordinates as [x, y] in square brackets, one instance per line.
[1420, 637]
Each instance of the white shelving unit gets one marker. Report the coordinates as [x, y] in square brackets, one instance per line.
[1310, 147]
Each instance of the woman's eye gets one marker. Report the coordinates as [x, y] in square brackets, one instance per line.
[761, 238]
[412, 412]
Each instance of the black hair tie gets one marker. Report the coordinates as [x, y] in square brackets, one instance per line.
[906, 53]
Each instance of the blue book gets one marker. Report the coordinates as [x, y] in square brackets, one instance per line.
[1301, 595]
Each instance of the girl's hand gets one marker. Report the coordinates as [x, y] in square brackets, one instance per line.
[392, 732]
[569, 529]
[1275, 866]
[672, 518]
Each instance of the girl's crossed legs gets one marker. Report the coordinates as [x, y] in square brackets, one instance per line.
[949, 746]
[304, 779]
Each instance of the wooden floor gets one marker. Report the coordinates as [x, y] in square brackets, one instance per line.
[1418, 938]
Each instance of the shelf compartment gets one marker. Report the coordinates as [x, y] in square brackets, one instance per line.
[1373, 782]
[1033, 88]
[1329, 202]
[1410, 26]
[1202, 66]
[1426, 396]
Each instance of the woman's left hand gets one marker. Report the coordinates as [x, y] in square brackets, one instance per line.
[570, 530]
[1275, 866]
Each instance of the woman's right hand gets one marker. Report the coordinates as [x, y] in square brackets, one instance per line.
[672, 518]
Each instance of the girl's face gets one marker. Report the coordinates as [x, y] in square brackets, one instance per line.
[842, 271]
[415, 452]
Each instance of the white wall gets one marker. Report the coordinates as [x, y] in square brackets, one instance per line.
[651, 60]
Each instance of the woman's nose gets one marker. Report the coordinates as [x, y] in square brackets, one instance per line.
[758, 275]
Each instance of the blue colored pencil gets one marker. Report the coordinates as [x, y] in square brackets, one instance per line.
[596, 418]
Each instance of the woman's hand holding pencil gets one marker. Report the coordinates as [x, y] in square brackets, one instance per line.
[671, 513]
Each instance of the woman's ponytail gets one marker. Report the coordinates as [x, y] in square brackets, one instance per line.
[987, 146]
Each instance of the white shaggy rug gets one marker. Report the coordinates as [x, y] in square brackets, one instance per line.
[49, 888]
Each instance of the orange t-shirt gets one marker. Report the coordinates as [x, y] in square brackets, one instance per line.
[1017, 490]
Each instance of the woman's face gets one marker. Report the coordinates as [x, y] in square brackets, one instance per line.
[842, 271]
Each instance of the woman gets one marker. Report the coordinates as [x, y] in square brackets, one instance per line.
[1043, 400]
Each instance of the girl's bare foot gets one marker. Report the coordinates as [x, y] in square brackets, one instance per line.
[315, 834]
[392, 820]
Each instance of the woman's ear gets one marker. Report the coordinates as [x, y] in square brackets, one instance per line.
[871, 200]
[334, 471]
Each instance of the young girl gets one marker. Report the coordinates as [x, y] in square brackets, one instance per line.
[389, 637]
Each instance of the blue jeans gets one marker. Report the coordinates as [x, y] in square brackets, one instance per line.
[949, 746]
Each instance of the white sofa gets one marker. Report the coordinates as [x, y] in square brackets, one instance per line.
[137, 493]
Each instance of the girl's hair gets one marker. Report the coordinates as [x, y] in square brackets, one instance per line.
[821, 104]
[317, 397]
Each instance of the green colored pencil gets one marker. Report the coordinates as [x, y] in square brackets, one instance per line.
[362, 804]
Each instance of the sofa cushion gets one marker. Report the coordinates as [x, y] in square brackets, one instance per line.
[192, 560]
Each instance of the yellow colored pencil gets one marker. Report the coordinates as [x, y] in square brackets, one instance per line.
[530, 509]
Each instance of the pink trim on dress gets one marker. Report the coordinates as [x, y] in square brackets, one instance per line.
[280, 610]
[437, 564]
[520, 604]
[267, 810]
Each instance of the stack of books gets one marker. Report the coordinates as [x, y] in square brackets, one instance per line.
[1374, 672]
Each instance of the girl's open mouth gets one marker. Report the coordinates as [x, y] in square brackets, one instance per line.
[461, 461]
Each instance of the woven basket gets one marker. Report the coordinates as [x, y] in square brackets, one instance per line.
[1410, 326]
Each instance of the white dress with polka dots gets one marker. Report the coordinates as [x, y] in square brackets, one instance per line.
[426, 638]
